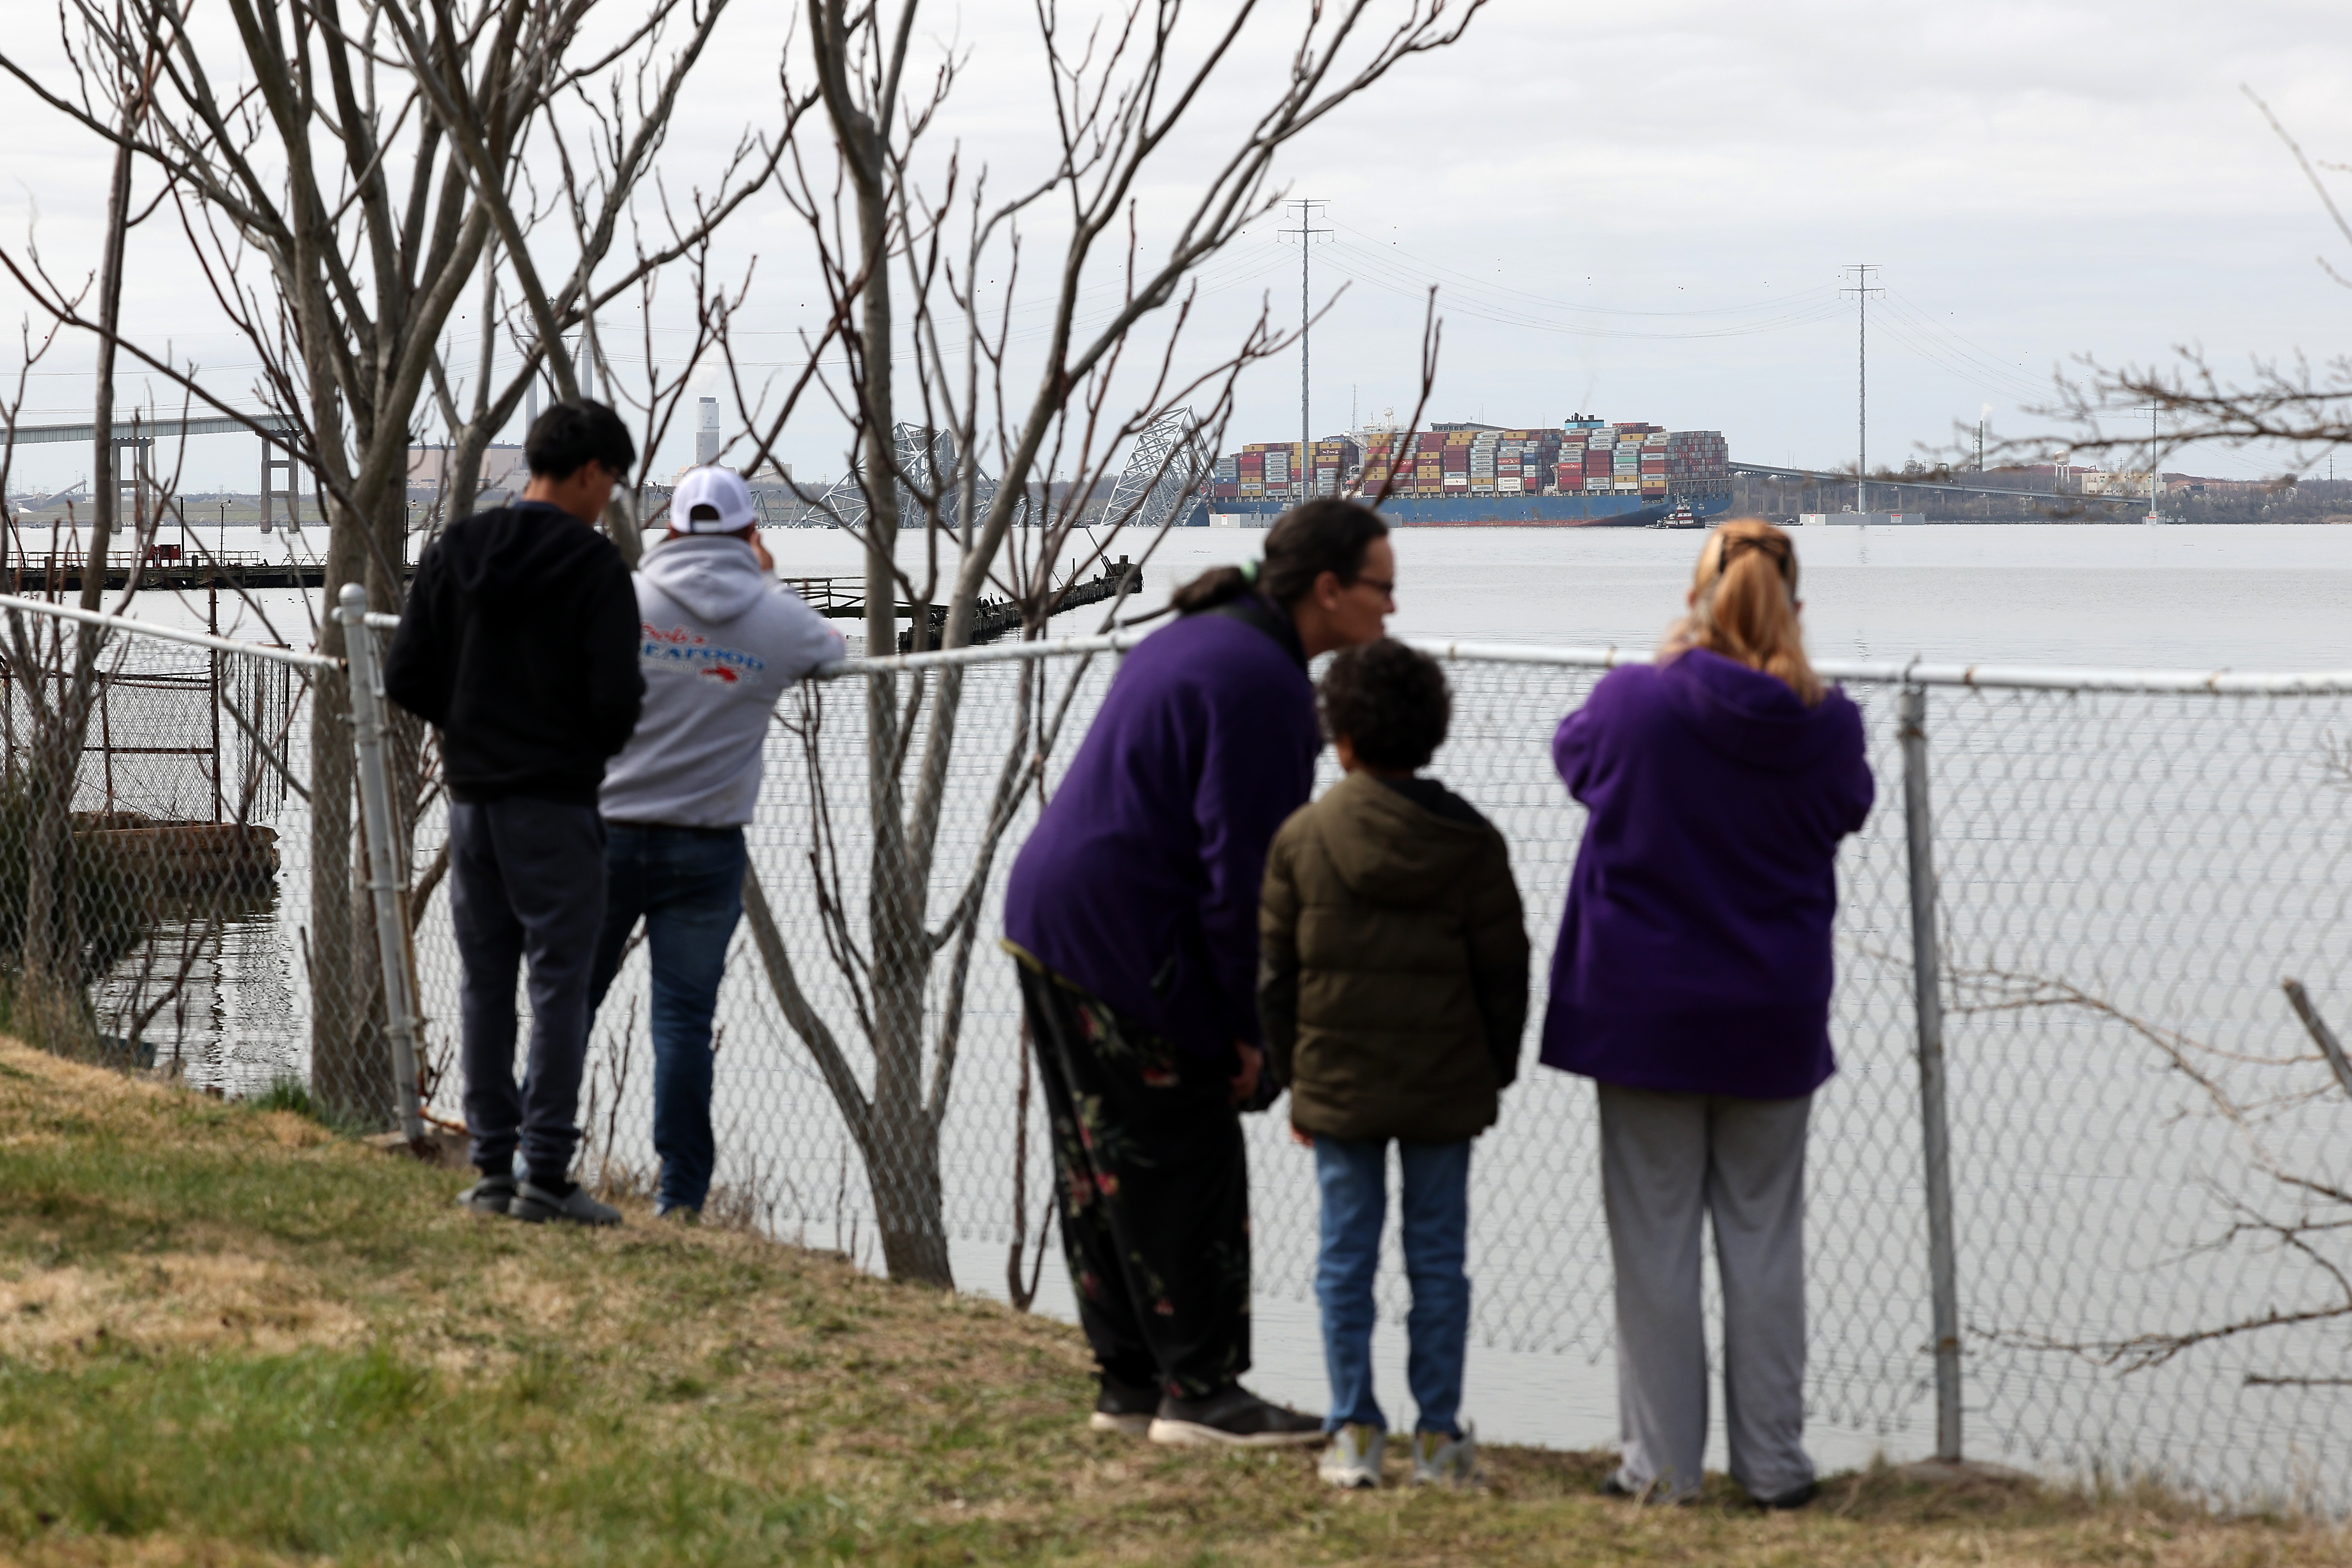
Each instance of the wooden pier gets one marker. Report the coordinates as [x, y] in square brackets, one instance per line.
[34, 576]
[843, 599]
[183, 858]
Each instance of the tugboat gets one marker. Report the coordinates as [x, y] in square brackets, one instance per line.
[1682, 517]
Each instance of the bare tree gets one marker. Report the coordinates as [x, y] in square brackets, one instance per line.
[2307, 1216]
[346, 171]
[2294, 406]
[905, 265]
[51, 1000]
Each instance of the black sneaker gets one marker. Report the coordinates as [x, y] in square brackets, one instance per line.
[1795, 1497]
[535, 1204]
[1125, 1408]
[491, 1195]
[1233, 1419]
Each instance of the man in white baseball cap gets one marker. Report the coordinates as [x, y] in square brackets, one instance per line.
[719, 642]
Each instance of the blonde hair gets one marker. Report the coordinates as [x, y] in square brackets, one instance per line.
[1744, 605]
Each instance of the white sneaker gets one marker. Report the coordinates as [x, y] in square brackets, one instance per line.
[1441, 1460]
[1353, 1458]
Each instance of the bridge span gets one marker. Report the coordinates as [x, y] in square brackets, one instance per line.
[1818, 476]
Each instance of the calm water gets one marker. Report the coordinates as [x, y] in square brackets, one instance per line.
[2253, 597]
[2247, 597]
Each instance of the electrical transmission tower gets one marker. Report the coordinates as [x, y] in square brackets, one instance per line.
[1862, 291]
[1307, 233]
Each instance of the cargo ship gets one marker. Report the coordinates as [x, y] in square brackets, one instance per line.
[1589, 473]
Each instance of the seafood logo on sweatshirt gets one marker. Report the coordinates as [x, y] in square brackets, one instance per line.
[679, 648]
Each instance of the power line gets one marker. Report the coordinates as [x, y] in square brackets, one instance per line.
[1439, 269]
[1378, 272]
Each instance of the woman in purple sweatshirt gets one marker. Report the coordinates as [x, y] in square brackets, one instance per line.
[1692, 983]
[1132, 911]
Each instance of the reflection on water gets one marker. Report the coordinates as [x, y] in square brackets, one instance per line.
[212, 989]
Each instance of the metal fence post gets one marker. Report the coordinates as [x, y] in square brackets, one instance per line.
[1943, 1272]
[384, 881]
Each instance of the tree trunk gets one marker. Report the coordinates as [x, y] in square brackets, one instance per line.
[46, 1005]
[902, 1152]
[902, 1165]
[53, 1007]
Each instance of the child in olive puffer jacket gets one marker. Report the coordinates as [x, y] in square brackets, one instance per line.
[1393, 989]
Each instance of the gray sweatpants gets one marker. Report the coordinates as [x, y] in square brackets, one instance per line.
[1666, 1159]
[526, 883]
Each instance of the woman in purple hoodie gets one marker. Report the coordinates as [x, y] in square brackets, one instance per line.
[1132, 911]
[1692, 983]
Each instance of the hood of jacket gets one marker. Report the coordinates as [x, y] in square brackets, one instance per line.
[715, 575]
[1747, 716]
[521, 547]
[1390, 848]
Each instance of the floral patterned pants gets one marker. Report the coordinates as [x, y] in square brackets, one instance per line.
[1154, 1184]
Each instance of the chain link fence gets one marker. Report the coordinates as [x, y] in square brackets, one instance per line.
[2138, 1125]
[150, 878]
[2150, 1192]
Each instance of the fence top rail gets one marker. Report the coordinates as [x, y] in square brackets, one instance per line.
[1915, 672]
[981, 654]
[1890, 672]
[2096, 678]
[130, 627]
[1924, 673]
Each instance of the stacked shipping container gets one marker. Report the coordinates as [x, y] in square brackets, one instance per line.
[1584, 457]
[1271, 470]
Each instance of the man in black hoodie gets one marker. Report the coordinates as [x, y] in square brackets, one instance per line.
[518, 642]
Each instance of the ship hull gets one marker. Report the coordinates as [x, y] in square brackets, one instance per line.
[1496, 511]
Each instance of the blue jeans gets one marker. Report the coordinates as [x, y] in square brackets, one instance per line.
[687, 885]
[1436, 1216]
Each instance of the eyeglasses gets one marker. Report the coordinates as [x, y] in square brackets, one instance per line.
[1385, 589]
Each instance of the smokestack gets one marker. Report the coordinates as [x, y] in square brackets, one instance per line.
[706, 434]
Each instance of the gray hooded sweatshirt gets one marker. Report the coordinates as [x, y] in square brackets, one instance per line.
[718, 642]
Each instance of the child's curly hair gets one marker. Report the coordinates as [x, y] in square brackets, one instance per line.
[1390, 701]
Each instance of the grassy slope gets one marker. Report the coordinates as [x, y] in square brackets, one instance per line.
[228, 1337]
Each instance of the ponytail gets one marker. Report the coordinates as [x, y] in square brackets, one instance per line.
[1218, 585]
[1324, 535]
[1744, 605]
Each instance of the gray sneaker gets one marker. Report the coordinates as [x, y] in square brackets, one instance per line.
[491, 1195]
[534, 1205]
[1441, 1460]
[1353, 1459]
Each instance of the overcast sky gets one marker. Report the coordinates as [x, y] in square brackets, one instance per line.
[1638, 211]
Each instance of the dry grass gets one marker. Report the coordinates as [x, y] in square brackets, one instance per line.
[229, 1338]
